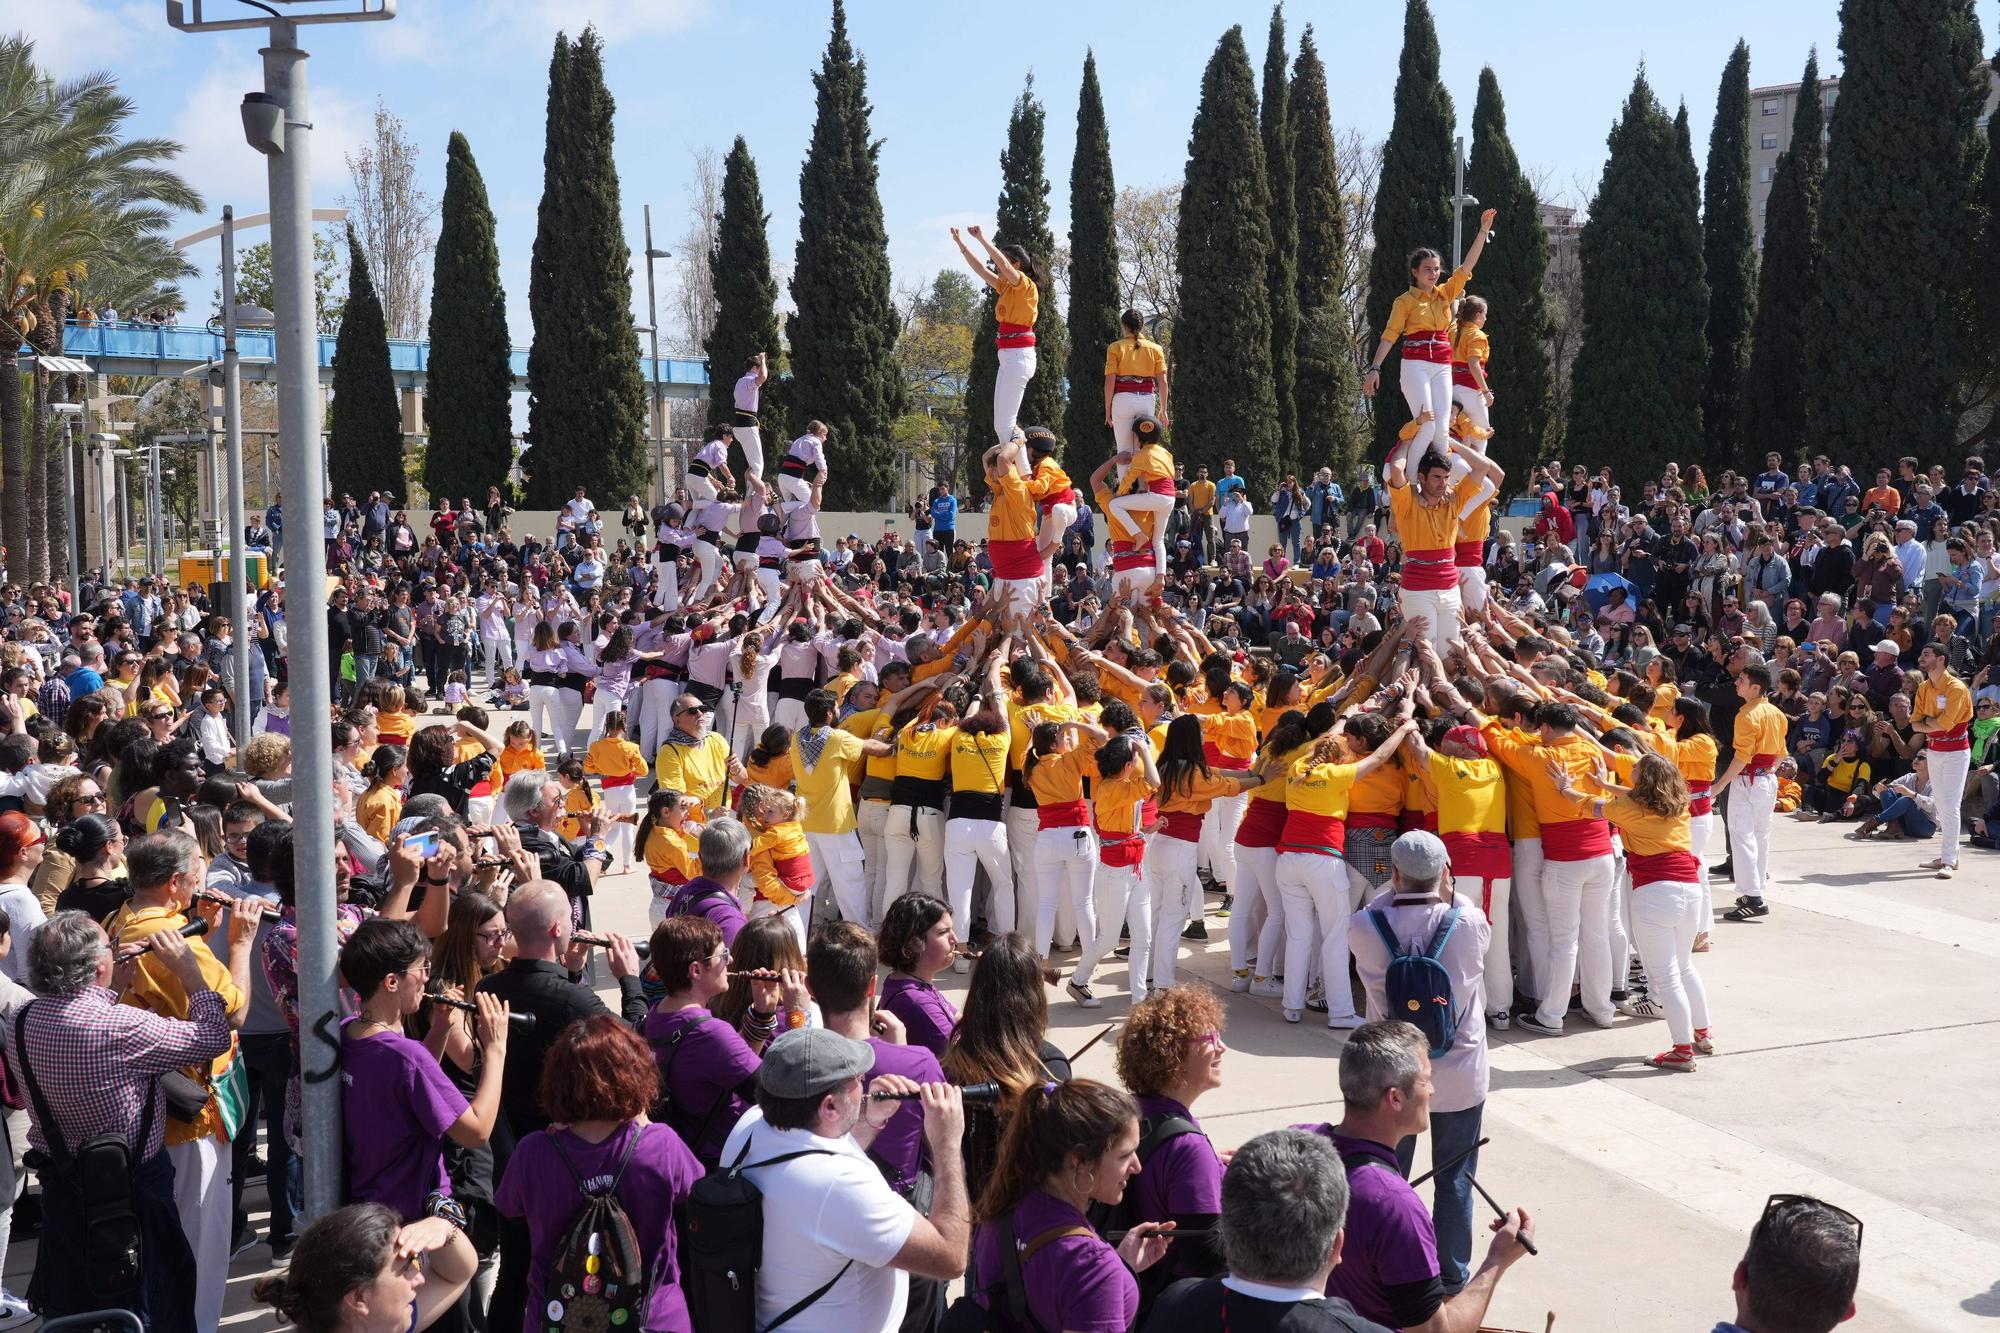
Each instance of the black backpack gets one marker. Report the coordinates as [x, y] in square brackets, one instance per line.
[1153, 1132]
[678, 1117]
[599, 1278]
[722, 1247]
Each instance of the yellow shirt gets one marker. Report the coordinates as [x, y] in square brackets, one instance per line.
[778, 773]
[781, 863]
[1645, 833]
[823, 787]
[614, 757]
[1319, 789]
[700, 770]
[1047, 479]
[1664, 696]
[394, 728]
[1013, 516]
[979, 762]
[1135, 358]
[1019, 304]
[1021, 727]
[156, 989]
[924, 752]
[1418, 311]
[1118, 801]
[1234, 734]
[862, 725]
[1058, 778]
[1948, 707]
[378, 810]
[1471, 794]
[1760, 729]
[839, 685]
[1695, 758]
[1470, 345]
[1201, 496]
[1423, 527]
[577, 801]
[1199, 794]
[671, 855]
[1380, 792]
[523, 760]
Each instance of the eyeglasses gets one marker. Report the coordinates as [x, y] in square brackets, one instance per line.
[1780, 1201]
[719, 956]
[494, 936]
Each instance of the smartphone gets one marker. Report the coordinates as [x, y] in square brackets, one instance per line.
[424, 844]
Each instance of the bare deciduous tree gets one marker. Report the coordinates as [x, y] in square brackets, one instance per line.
[393, 218]
[694, 289]
[1148, 219]
[1565, 280]
[1358, 168]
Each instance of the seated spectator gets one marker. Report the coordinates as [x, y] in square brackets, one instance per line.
[1284, 1208]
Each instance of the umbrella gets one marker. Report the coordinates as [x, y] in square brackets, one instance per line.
[1598, 590]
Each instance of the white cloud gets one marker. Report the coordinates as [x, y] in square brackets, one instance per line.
[423, 35]
[74, 37]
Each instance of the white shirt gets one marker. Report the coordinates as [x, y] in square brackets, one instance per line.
[1459, 1076]
[1235, 513]
[579, 509]
[24, 917]
[820, 1212]
[1910, 554]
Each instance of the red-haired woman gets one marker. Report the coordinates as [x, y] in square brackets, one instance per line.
[598, 1081]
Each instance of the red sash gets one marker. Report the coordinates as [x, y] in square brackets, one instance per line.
[1466, 554]
[1015, 335]
[1133, 384]
[1315, 835]
[1433, 569]
[1480, 855]
[1461, 375]
[1139, 559]
[1062, 497]
[1954, 738]
[1760, 765]
[1662, 867]
[1063, 814]
[1432, 345]
[1184, 825]
[1162, 486]
[1699, 802]
[1263, 820]
[1372, 818]
[1575, 839]
[1213, 756]
[612, 784]
[1014, 559]
[1119, 850]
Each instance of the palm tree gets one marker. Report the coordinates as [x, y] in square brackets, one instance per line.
[74, 198]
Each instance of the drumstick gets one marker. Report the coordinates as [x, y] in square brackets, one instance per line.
[1526, 1243]
[1078, 1053]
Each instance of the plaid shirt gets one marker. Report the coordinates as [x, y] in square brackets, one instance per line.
[97, 1061]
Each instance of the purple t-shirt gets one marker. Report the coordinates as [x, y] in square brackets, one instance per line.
[705, 1068]
[1077, 1284]
[541, 1189]
[702, 896]
[396, 1105]
[900, 1145]
[1390, 1239]
[1182, 1178]
[927, 1017]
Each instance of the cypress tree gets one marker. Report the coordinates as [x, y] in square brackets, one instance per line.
[1774, 405]
[1513, 277]
[1224, 403]
[365, 442]
[1284, 263]
[1635, 392]
[1412, 202]
[1980, 302]
[746, 297]
[1327, 387]
[1093, 273]
[843, 332]
[1023, 220]
[1885, 357]
[1729, 254]
[471, 383]
[587, 406]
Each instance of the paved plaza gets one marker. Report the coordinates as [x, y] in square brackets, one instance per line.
[1857, 1061]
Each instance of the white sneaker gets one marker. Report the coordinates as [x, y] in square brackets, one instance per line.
[1293, 1015]
[14, 1312]
[1600, 1022]
[1501, 1020]
[1268, 987]
[1240, 982]
[1345, 1021]
[1083, 997]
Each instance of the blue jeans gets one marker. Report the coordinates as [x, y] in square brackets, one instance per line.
[1452, 1132]
[1914, 821]
[365, 669]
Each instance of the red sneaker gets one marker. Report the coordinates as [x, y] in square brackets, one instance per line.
[1680, 1060]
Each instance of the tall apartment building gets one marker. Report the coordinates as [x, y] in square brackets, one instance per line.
[1772, 110]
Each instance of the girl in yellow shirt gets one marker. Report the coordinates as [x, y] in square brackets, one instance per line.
[780, 862]
[1019, 278]
[1421, 318]
[617, 764]
[669, 846]
[1135, 381]
[1469, 355]
[1126, 780]
[1194, 787]
[1145, 497]
[1059, 756]
[382, 804]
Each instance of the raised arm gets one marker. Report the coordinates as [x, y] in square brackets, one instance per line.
[1007, 274]
[1479, 241]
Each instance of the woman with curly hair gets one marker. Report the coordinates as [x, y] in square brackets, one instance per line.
[1169, 1054]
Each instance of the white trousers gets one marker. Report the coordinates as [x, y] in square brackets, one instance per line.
[871, 818]
[1048, 537]
[1023, 827]
[656, 701]
[796, 915]
[1426, 386]
[1120, 894]
[1532, 962]
[667, 585]
[1010, 386]
[1066, 863]
[968, 845]
[838, 861]
[1751, 803]
[1127, 408]
[746, 728]
[1257, 877]
[796, 490]
[1218, 840]
[790, 714]
[771, 583]
[1666, 916]
[1441, 607]
[1492, 896]
[1578, 898]
[1472, 587]
[1161, 507]
[662, 894]
[920, 851]
[1318, 896]
[1700, 829]
[620, 801]
[571, 702]
[708, 558]
[1475, 409]
[701, 490]
[1948, 772]
[545, 715]
[1176, 894]
[499, 656]
[751, 438]
[201, 1196]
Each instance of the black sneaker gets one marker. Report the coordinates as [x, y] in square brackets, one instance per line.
[1747, 911]
[1196, 930]
[281, 1247]
[1122, 951]
[1727, 870]
[245, 1241]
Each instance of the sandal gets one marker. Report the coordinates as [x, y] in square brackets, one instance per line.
[1701, 943]
[1945, 872]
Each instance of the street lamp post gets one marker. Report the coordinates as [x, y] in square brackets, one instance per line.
[239, 565]
[1460, 200]
[278, 123]
[70, 412]
[655, 426]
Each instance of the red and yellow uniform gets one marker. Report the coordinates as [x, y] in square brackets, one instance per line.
[781, 863]
[578, 801]
[1566, 834]
[1420, 810]
[1695, 758]
[1472, 815]
[1949, 708]
[1181, 813]
[1264, 814]
[1057, 784]
[1015, 313]
[1316, 807]
[1657, 847]
[1760, 738]
[1129, 548]
[1473, 529]
[671, 855]
[520, 759]
[1422, 319]
[1049, 486]
[1120, 808]
[1469, 346]
[777, 773]
[1789, 796]
[394, 728]
[1021, 723]
[1228, 740]
[1151, 469]
[616, 761]
[1137, 363]
[1010, 528]
[1428, 533]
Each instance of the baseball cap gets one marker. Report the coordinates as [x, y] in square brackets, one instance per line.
[1889, 646]
[1419, 854]
[810, 1062]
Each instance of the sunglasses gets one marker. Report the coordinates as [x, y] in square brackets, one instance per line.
[1777, 1202]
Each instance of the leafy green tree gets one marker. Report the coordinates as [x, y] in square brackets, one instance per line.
[586, 395]
[1635, 397]
[364, 445]
[1412, 202]
[253, 279]
[1885, 358]
[746, 293]
[1284, 262]
[1774, 405]
[1729, 252]
[1224, 401]
[1327, 390]
[1513, 277]
[843, 332]
[1093, 272]
[471, 379]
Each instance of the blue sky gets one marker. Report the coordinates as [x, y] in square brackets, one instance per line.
[689, 74]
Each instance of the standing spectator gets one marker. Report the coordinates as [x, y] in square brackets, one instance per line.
[1291, 508]
[21, 847]
[1236, 516]
[944, 516]
[1201, 493]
